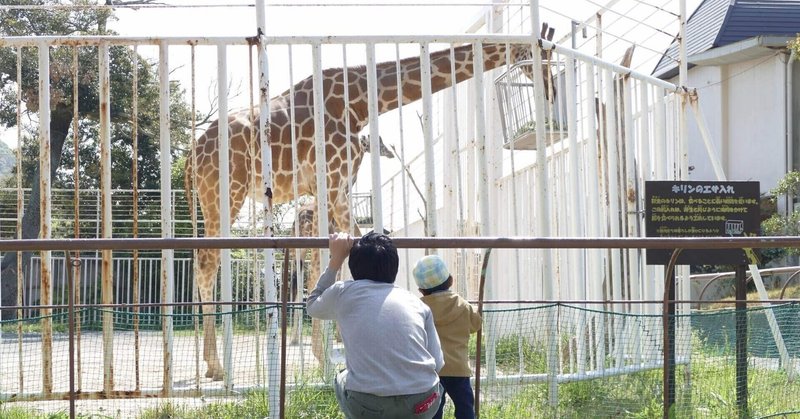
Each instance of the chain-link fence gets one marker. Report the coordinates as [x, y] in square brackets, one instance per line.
[609, 365]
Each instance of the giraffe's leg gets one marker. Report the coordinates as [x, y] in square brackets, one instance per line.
[297, 318]
[208, 260]
[316, 325]
[313, 276]
[340, 213]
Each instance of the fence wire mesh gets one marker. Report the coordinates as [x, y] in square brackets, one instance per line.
[607, 365]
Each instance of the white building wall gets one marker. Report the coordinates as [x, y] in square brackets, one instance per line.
[709, 83]
[744, 108]
[755, 122]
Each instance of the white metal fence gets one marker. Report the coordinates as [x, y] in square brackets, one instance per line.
[603, 140]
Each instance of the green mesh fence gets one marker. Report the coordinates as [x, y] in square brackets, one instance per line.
[536, 361]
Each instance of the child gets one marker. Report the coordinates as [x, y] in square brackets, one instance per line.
[455, 320]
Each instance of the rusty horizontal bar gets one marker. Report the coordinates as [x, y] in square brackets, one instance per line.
[753, 303]
[403, 242]
[93, 41]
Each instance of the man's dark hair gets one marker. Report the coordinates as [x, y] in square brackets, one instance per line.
[374, 257]
[444, 286]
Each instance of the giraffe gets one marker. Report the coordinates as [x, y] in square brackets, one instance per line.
[338, 170]
[304, 225]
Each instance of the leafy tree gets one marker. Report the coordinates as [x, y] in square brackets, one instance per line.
[784, 224]
[794, 45]
[7, 160]
[81, 21]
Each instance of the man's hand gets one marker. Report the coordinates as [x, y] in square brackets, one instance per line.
[339, 245]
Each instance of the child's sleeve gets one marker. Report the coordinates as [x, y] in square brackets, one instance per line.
[432, 340]
[475, 320]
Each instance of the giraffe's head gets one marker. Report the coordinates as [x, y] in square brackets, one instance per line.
[520, 53]
[523, 53]
[365, 145]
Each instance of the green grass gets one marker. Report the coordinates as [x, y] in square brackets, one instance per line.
[254, 405]
[507, 355]
[303, 402]
[7, 412]
[32, 326]
[706, 389]
[636, 396]
[311, 402]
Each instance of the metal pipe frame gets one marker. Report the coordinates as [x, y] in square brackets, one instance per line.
[759, 242]
[277, 303]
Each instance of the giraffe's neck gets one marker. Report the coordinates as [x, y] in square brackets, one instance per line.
[494, 55]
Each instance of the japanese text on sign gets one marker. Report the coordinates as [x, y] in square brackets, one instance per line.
[701, 209]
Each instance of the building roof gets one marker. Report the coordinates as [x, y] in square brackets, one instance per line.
[717, 23]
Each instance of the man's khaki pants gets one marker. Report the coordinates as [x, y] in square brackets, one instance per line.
[358, 405]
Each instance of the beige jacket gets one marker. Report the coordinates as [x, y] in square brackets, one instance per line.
[455, 320]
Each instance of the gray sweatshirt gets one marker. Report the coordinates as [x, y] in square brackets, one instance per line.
[389, 337]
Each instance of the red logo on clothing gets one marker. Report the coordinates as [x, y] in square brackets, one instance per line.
[426, 404]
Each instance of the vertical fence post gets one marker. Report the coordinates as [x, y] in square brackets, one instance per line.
[669, 344]
[374, 140]
[135, 233]
[284, 325]
[322, 186]
[266, 176]
[431, 227]
[479, 335]
[226, 289]
[71, 322]
[483, 191]
[20, 195]
[105, 217]
[668, 324]
[741, 340]
[44, 214]
[543, 204]
[76, 270]
[167, 255]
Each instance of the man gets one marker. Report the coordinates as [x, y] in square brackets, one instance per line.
[393, 354]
